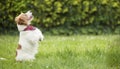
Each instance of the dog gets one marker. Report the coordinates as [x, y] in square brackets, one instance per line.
[28, 38]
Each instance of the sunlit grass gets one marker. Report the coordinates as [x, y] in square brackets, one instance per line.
[65, 52]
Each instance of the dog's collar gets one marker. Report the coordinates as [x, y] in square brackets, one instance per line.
[29, 28]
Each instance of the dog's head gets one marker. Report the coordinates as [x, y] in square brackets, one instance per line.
[24, 18]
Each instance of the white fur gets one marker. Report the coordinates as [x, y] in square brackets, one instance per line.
[21, 27]
[29, 14]
[29, 43]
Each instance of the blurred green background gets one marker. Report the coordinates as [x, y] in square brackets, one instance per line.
[64, 17]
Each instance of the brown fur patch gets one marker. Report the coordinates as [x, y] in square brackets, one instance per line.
[19, 47]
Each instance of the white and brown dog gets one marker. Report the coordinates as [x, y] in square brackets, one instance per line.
[28, 39]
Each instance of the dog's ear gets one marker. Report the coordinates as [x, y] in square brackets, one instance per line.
[22, 21]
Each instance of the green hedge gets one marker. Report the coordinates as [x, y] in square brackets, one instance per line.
[64, 16]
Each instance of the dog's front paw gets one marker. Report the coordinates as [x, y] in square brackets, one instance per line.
[41, 39]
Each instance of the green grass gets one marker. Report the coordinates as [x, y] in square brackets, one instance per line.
[65, 52]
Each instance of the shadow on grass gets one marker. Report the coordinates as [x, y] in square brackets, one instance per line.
[113, 53]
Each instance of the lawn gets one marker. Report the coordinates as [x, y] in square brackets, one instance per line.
[65, 52]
